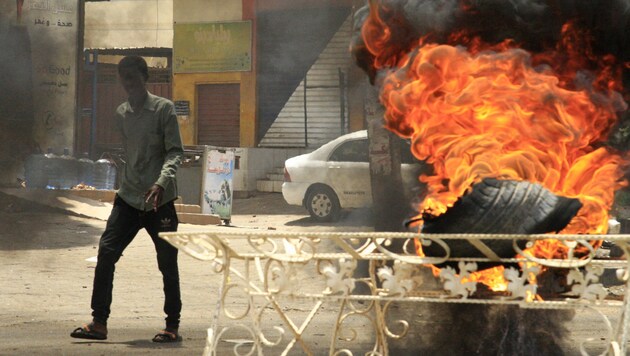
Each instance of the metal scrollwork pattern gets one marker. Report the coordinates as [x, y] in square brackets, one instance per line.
[349, 333]
[585, 284]
[265, 270]
[454, 283]
[394, 285]
[294, 249]
[339, 279]
[242, 347]
[519, 282]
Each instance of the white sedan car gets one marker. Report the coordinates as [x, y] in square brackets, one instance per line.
[337, 176]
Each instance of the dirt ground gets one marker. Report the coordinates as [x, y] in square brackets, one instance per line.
[46, 270]
[47, 265]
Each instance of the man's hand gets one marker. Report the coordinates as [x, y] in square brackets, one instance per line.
[154, 194]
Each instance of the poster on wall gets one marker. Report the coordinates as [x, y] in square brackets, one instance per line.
[216, 190]
[212, 47]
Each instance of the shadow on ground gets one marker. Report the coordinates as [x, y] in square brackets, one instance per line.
[265, 203]
[355, 217]
[25, 225]
[135, 344]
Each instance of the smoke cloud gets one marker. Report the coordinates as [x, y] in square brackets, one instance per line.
[533, 25]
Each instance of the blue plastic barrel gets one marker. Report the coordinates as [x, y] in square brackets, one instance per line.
[69, 170]
[54, 171]
[86, 171]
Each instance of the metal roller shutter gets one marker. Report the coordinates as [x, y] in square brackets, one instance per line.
[218, 121]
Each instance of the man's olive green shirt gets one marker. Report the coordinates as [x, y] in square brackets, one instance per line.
[153, 150]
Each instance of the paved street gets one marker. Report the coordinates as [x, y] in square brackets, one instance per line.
[46, 269]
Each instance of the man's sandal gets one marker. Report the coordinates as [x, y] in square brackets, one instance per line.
[165, 336]
[87, 332]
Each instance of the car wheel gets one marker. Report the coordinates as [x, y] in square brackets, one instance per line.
[322, 204]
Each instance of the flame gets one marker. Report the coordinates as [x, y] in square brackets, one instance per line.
[492, 277]
[493, 115]
[475, 110]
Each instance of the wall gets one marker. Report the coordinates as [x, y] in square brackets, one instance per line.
[129, 23]
[207, 10]
[55, 73]
[49, 32]
[184, 84]
[16, 94]
[256, 163]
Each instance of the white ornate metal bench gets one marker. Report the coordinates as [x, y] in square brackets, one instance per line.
[265, 274]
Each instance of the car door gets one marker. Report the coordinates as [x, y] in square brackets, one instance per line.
[349, 173]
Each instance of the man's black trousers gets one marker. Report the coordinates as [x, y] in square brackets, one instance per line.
[122, 226]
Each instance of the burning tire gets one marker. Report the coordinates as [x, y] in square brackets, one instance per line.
[322, 203]
[500, 207]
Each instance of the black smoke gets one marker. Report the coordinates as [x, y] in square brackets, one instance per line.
[533, 25]
[483, 330]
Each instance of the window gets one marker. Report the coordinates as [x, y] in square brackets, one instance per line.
[351, 151]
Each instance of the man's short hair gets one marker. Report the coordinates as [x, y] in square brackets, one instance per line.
[134, 62]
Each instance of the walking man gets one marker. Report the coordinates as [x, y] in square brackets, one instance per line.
[153, 151]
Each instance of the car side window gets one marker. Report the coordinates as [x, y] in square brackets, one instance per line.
[351, 151]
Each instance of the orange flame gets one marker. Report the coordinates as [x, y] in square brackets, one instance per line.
[494, 111]
[493, 115]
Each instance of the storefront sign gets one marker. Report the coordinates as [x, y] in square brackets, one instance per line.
[212, 47]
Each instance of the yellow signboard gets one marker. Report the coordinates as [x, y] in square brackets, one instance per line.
[212, 47]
